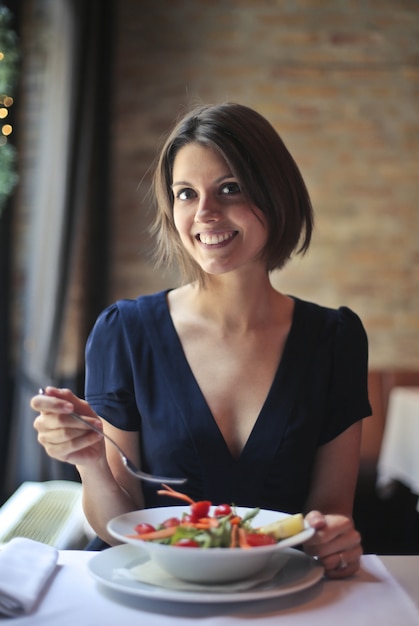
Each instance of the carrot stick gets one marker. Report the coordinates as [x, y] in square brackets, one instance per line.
[242, 537]
[201, 524]
[211, 522]
[169, 491]
[195, 525]
[234, 536]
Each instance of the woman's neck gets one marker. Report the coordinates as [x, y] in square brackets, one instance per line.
[237, 303]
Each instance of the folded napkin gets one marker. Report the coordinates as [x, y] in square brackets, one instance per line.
[25, 567]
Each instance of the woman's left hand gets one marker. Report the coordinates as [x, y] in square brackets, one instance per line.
[336, 544]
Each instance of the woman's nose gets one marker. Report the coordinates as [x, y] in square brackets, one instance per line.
[208, 210]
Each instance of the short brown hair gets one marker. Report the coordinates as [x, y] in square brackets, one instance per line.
[264, 168]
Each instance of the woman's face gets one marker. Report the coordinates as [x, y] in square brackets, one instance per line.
[218, 225]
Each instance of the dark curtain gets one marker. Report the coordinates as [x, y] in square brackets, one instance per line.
[6, 375]
[6, 378]
[85, 248]
[80, 289]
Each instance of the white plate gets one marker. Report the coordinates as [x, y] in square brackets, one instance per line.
[299, 572]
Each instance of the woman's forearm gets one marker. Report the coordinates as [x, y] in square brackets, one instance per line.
[104, 498]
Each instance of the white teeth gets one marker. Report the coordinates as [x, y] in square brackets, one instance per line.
[210, 240]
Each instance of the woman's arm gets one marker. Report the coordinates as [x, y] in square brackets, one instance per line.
[108, 489]
[335, 473]
[336, 542]
[111, 490]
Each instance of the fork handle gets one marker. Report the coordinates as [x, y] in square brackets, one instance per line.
[98, 430]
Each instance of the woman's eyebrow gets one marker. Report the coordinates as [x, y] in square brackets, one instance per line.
[181, 182]
[186, 183]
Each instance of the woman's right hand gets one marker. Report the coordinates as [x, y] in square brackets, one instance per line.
[63, 437]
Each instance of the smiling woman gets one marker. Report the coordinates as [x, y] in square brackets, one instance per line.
[254, 396]
[217, 223]
[258, 161]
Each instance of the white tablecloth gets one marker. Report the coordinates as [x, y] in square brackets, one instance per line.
[74, 598]
[399, 455]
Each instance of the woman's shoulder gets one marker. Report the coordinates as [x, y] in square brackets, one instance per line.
[338, 315]
[131, 306]
[340, 326]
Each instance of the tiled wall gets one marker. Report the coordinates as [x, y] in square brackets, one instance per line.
[340, 82]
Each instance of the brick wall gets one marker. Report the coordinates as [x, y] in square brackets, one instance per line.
[339, 80]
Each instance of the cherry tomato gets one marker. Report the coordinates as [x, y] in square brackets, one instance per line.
[187, 543]
[222, 509]
[259, 539]
[189, 517]
[200, 509]
[143, 528]
[171, 521]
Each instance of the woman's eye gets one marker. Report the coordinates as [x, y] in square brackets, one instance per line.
[230, 188]
[185, 194]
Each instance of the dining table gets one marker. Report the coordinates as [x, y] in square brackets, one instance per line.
[82, 592]
[399, 454]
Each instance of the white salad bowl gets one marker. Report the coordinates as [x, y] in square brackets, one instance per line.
[203, 565]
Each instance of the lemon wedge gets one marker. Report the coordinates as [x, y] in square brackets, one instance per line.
[286, 527]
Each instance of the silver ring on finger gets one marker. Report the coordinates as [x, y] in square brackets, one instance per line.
[342, 563]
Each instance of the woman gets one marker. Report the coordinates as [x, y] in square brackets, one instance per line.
[254, 396]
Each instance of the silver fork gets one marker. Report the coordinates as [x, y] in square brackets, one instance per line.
[126, 461]
[129, 464]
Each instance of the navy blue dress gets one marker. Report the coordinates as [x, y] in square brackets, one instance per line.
[138, 379]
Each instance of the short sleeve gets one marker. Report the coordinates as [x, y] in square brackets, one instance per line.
[109, 385]
[348, 392]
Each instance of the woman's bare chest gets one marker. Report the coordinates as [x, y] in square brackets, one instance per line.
[235, 375]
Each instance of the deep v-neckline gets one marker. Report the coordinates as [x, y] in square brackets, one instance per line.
[233, 391]
[196, 410]
[216, 471]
